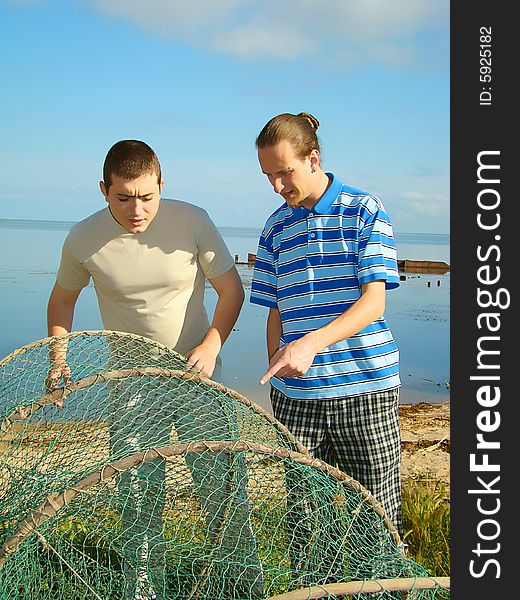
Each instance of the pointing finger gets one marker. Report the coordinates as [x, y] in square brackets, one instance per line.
[272, 371]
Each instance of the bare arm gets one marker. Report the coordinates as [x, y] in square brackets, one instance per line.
[274, 331]
[230, 292]
[295, 358]
[60, 313]
[60, 310]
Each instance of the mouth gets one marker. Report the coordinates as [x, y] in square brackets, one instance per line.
[291, 199]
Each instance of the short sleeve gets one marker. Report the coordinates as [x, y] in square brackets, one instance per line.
[213, 254]
[71, 275]
[263, 286]
[377, 256]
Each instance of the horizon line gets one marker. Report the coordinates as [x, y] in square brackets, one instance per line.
[230, 226]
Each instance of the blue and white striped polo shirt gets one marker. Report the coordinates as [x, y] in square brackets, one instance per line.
[310, 265]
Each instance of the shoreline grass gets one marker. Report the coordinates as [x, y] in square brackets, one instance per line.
[426, 525]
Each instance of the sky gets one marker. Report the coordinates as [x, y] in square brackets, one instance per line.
[198, 80]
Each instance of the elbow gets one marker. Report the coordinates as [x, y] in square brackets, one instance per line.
[374, 295]
[237, 288]
[239, 296]
[380, 311]
[376, 308]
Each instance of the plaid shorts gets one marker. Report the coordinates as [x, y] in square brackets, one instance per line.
[360, 435]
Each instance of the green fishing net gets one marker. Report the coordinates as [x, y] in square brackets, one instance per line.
[138, 479]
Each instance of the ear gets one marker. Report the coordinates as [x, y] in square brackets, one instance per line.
[161, 185]
[103, 189]
[315, 159]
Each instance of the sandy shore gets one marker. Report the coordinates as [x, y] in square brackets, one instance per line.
[425, 437]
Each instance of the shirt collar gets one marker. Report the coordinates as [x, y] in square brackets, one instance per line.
[324, 204]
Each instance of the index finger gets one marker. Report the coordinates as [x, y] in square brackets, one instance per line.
[272, 371]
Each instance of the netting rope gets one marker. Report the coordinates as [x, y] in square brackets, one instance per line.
[138, 479]
[21, 413]
[57, 501]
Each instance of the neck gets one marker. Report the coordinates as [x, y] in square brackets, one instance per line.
[322, 185]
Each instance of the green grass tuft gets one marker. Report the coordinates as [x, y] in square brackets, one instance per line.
[426, 525]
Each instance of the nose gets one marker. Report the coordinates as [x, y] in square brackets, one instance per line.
[136, 206]
[277, 184]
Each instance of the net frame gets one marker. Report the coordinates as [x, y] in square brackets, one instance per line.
[23, 412]
[370, 586]
[57, 501]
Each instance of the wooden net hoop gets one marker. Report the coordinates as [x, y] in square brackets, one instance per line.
[56, 501]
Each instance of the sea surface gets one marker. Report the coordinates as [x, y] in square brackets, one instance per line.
[417, 312]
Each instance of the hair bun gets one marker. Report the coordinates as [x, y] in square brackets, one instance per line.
[313, 121]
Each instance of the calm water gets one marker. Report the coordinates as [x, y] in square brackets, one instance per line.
[418, 311]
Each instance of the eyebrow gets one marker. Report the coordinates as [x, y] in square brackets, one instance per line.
[135, 196]
[280, 171]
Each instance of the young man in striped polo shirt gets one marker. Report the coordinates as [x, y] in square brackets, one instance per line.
[324, 262]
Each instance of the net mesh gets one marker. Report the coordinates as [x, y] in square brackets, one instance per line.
[138, 479]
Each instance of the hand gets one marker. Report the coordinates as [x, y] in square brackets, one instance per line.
[202, 359]
[58, 372]
[292, 360]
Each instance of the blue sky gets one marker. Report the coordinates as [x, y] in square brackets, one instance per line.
[198, 80]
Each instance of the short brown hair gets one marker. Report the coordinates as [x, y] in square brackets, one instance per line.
[129, 159]
[299, 130]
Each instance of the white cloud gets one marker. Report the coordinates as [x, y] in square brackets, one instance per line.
[255, 40]
[386, 19]
[354, 30]
[173, 18]
[422, 171]
[426, 204]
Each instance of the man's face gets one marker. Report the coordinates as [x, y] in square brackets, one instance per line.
[133, 203]
[290, 176]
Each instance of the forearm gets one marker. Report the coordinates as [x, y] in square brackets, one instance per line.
[295, 358]
[225, 316]
[368, 308]
[59, 322]
[273, 332]
[230, 292]
[60, 315]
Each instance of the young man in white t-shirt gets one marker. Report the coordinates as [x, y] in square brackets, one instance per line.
[149, 259]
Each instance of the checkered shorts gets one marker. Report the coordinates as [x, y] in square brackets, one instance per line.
[360, 435]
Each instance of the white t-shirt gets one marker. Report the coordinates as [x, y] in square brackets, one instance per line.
[150, 283]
